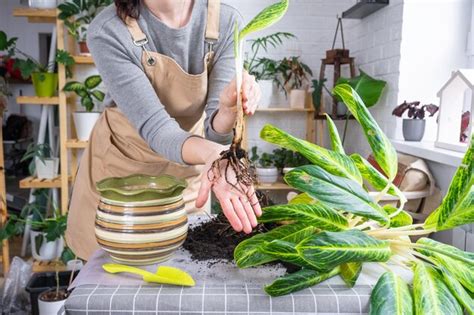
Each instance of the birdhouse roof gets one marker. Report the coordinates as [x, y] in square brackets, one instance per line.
[467, 75]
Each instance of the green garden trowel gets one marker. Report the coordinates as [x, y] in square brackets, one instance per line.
[163, 275]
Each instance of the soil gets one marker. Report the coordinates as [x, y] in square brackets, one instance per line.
[50, 296]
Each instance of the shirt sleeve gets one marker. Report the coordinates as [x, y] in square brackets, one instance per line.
[134, 95]
[223, 71]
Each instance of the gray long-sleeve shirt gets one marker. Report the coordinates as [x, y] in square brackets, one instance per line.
[119, 63]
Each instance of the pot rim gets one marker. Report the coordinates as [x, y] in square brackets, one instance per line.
[49, 290]
[86, 112]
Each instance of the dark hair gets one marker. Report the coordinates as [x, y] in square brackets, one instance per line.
[128, 8]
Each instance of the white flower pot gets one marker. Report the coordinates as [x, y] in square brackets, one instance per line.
[267, 89]
[85, 122]
[49, 308]
[268, 175]
[47, 169]
[43, 4]
[297, 98]
[48, 250]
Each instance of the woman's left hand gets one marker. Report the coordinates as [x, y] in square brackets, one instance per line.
[250, 95]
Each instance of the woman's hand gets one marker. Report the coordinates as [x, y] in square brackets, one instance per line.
[239, 204]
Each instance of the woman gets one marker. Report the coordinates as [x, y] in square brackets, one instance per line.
[169, 69]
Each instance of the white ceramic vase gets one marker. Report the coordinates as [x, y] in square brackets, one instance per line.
[267, 175]
[49, 308]
[43, 4]
[85, 122]
[47, 169]
[297, 98]
[267, 89]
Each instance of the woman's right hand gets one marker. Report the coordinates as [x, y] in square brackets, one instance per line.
[239, 204]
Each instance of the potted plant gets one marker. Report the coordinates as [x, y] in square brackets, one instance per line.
[295, 80]
[42, 4]
[414, 125]
[77, 15]
[265, 69]
[267, 173]
[88, 92]
[45, 80]
[286, 160]
[45, 166]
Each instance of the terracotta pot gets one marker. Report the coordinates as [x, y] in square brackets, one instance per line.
[141, 219]
[83, 49]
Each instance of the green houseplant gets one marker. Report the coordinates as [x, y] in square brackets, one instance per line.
[88, 93]
[77, 15]
[295, 80]
[45, 80]
[265, 167]
[414, 125]
[42, 163]
[337, 227]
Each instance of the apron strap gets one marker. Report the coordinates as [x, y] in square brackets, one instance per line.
[213, 20]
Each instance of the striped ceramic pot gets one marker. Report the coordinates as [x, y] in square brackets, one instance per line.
[141, 219]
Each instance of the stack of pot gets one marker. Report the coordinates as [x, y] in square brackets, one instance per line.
[141, 219]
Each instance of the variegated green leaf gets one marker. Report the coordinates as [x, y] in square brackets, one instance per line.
[93, 81]
[458, 291]
[458, 262]
[297, 281]
[457, 207]
[430, 294]
[326, 250]
[333, 162]
[337, 192]
[246, 254]
[267, 17]
[302, 198]
[285, 251]
[391, 296]
[382, 149]
[403, 218]
[317, 215]
[336, 142]
[350, 273]
[373, 176]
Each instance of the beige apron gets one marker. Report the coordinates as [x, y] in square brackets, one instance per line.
[116, 149]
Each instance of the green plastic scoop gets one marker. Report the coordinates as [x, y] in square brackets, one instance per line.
[163, 275]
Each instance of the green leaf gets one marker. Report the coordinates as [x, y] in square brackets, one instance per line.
[246, 254]
[458, 291]
[373, 176]
[26, 67]
[382, 149]
[303, 198]
[458, 262]
[391, 296]
[333, 162]
[267, 17]
[98, 95]
[297, 281]
[329, 249]
[74, 86]
[88, 103]
[337, 192]
[369, 89]
[430, 294]
[93, 81]
[285, 251]
[403, 218]
[336, 142]
[317, 215]
[457, 207]
[350, 272]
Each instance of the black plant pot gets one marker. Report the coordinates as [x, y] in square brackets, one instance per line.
[413, 129]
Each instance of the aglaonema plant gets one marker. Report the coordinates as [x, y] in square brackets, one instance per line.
[236, 157]
[337, 226]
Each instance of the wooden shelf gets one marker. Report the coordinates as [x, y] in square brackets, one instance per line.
[48, 266]
[76, 144]
[274, 186]
[83, 60]
[36, 15]
[285, 109]
[33, 182]
[35, 100]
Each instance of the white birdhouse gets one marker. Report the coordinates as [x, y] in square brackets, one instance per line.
[455, 122]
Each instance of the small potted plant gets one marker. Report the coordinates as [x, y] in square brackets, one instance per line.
[45, 166]
[267, 173]
[265, 69]
[286, 160]
[414, 125]
[295, 75]
[45, 80]
[77, 15]
[88, 93]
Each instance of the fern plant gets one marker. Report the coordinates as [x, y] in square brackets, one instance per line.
[337, 227]
[87, 91]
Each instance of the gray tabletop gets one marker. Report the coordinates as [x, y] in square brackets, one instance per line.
[221, 288]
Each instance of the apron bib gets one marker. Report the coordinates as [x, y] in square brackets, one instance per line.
[116, 149]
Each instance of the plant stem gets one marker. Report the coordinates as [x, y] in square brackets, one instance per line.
[392, 234]
[346, 124]
[402, 228]
[354, 221]
[420, 255]
[239, 123]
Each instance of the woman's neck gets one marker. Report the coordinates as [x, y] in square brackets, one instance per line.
[174, 13]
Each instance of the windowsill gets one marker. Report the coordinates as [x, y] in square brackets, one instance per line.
[428, 151]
